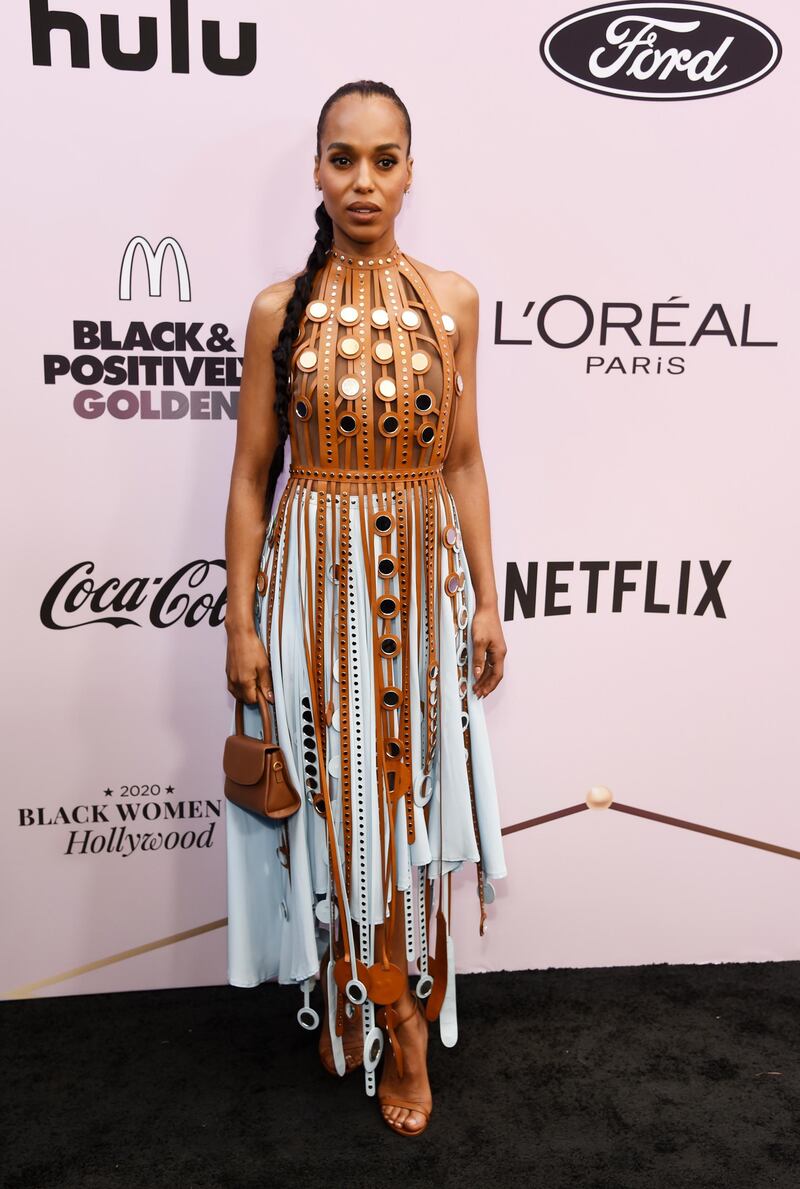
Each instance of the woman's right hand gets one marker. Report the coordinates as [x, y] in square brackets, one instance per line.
[247, 666]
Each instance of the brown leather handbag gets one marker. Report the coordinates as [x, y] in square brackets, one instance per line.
[255, 769]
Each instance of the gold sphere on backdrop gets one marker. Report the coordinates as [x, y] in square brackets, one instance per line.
[599, 797]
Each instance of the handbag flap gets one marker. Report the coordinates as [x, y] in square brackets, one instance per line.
[243, 758]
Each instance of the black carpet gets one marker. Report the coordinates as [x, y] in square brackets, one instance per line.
[617, 1078]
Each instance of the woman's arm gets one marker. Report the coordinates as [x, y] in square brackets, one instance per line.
[466, 478]
[247, 518]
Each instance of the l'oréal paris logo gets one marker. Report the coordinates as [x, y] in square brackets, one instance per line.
[660, 51]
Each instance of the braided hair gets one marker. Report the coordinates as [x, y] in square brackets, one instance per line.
[303, 286]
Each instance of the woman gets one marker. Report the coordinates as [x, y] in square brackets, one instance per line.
[376, 601]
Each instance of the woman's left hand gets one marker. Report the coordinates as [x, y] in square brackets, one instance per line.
[489, 650]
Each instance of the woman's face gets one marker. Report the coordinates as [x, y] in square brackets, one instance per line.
[362, 161]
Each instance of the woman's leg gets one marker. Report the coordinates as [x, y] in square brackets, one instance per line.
[412, 1036]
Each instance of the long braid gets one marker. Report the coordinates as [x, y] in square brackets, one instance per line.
[282, 354]
[304, 283]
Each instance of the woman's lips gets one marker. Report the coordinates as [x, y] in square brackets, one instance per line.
[362, 216]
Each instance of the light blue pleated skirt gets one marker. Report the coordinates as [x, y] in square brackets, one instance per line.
[277, 917]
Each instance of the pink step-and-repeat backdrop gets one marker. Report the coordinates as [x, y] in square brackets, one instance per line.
[620, 183]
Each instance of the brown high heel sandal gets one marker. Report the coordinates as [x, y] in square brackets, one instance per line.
[354, 1053]
[389, 1018]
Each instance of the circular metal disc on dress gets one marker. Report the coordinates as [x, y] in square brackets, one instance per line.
[348, 315]
[410, 319]
[423, 788]
[387, 565]
[451, 584]
[423, 400]
[392, 697]
[392, 748]
[353, 987]
[322, 911]
[488, 892]
[463, 616]
[383, 523]
[308, 1018]
[373, 1048]
[348, 424]
[317, 311]
[356, 991]
[335, 765]
[433, 670]
[449, 536]
[349, 347]
[379, 317]
[448, 322]
[420, 361]
[349, 387]
[302, 409]
[388, 606]
[424, 986]
[386, 388]
[425, 434]
[389, 645]
[307, 360]
[459, 382]
[389, 424]
[383, 350]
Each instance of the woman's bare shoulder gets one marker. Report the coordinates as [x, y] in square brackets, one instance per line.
[268, 311]
[454, 292]
[271, 301]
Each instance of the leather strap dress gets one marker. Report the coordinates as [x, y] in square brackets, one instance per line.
[365, 606]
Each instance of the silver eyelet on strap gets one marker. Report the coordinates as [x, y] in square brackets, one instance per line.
[422, 795]
[355, 991]
[308, 1018]
[373, 1049]
[424, 986]
[322, 912]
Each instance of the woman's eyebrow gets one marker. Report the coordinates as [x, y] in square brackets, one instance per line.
[340, 144]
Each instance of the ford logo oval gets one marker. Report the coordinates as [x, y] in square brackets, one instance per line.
[660, 51]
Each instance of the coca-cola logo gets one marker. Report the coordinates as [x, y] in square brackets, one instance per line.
[77, 598]
[660, 51]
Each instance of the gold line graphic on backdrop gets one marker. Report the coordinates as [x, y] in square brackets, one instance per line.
[597, 798]
[601, 798]
[24, 992]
